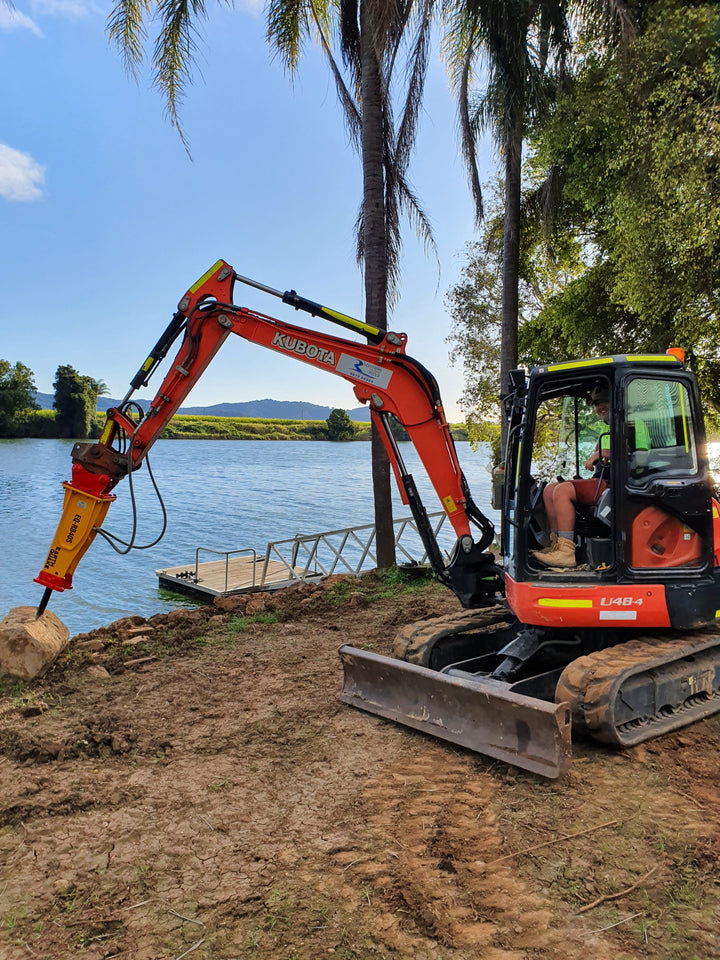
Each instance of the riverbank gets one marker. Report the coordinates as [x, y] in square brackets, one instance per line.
[40, 424]
[190, 427]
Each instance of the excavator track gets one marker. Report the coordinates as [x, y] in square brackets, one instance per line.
[415, 641]
[620, 695]
[644, 688]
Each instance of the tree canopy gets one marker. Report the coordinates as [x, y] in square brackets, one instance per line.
[75, 401]
[620, 235]
[634, 145]
[475, 305]
[339, 425]
[17, 395]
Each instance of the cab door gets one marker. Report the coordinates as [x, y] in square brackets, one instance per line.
[668, 509]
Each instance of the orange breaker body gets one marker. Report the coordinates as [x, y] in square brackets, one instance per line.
[84, 510]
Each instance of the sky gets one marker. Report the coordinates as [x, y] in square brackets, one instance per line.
[105, 221]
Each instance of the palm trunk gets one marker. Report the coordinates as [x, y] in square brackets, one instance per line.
[511, 268]
[375, 264]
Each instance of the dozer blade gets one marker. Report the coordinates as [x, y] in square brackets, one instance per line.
[480, 715]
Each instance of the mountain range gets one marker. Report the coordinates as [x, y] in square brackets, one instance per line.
[264, 409]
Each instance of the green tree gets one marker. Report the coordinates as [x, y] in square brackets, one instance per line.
[475, 307]
[523, 48]
[75, 401]
[17, 395]
[340, 425]
[97, 388]
[634, 144]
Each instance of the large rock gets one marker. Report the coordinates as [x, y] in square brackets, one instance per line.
[28, 646]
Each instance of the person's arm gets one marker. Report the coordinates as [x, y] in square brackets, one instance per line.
[639, 456]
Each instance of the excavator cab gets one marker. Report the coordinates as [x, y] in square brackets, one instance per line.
[646, 514]
[618, 642]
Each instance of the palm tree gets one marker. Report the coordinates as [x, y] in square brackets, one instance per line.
[523, 47]
[96, 388]
[370, 37]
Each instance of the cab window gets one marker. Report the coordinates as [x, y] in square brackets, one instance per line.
[567, 430]
[659, 430]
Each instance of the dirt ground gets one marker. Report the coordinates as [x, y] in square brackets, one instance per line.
[190, 786]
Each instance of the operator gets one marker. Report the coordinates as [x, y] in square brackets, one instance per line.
[561, 498]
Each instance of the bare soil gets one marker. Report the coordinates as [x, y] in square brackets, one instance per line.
[189, 786]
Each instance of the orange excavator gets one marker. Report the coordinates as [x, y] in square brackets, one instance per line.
[622, 644]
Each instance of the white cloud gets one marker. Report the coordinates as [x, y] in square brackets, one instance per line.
[254, 7]
[21, 177]
[68, 9]
[12, 19]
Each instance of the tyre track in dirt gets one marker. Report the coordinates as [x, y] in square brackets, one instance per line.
[430, 824]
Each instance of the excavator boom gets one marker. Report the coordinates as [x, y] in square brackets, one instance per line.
[380, 373]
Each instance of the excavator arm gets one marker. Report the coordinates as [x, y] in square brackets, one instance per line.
[380, 373]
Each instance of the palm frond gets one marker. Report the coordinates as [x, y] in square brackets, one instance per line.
[611, 20]
[126, 30]
[349, 34]
[468, 133]
[385, 18]
[419, 219]
[287, 28]
[543, 203]
[418, 61]
[350, 108]
[174, 52]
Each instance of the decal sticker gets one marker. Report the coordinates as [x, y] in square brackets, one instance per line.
[618, 614]
[363, 370]
[564, 604]
[303, 349]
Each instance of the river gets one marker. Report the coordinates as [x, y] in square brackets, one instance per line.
[220, 494]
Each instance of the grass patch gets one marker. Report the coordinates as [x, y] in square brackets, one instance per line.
[396, 581]
[239, 625]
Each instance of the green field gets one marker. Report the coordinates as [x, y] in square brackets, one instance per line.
[189, 427]
[41, 424]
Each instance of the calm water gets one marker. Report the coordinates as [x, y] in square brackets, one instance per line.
[219, 494]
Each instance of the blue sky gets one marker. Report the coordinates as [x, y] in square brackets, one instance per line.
[105, 221]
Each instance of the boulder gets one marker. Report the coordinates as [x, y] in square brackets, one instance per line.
[28, 646]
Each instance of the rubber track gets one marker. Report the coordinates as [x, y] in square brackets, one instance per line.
[414, 642]
[590, 684]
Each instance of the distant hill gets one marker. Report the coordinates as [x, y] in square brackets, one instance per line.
[44, 400]
[265, 409]
[274, 410]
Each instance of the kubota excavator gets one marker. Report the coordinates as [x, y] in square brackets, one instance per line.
[624, 644]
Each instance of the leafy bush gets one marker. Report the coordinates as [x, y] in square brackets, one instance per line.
[339, 425]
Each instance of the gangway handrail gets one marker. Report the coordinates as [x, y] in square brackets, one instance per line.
[310, 544]
[226, 554]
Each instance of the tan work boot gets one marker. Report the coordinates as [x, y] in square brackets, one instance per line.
[551, 547]
[562, 556]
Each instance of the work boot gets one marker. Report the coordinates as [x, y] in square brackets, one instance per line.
[562, 556]
[550, 548]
